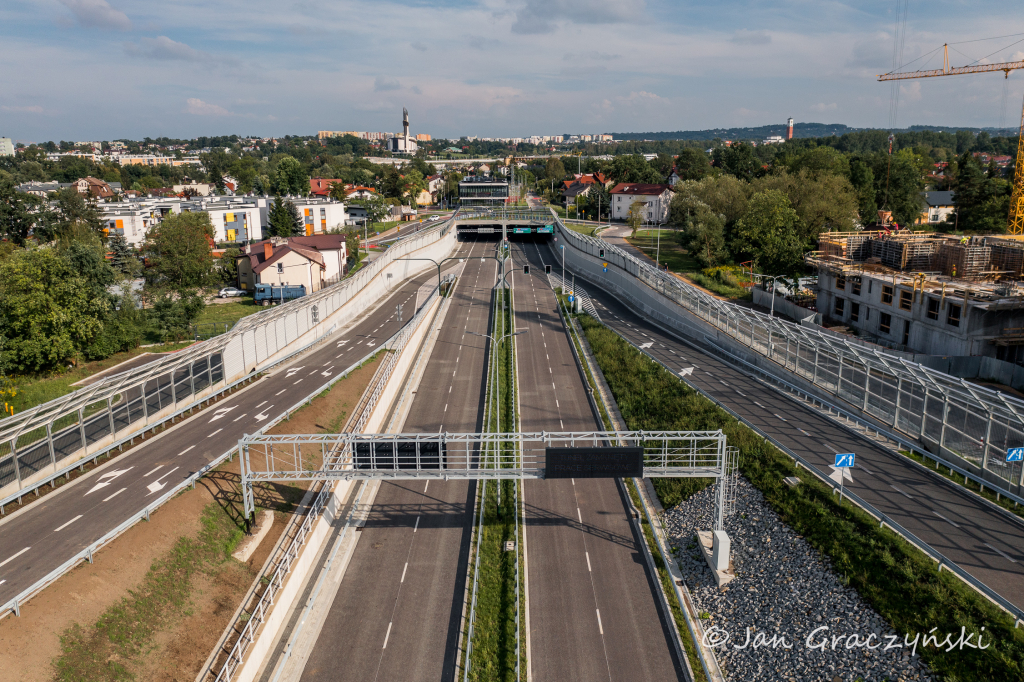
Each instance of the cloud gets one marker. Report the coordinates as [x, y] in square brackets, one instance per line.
[910, 93]
[822, 107]
[416, 90]
[386, 84]
[590, 54]
[98, 14]
[201, 108]
[542, 16]
[31, 109]
[745, 37]
[164, 48]
[641, 97]
[419, 46]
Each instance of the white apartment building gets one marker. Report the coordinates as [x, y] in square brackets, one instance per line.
[656, 199]
[6, 146]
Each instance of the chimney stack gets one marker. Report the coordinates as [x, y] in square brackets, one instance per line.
[789, 134]
[405, 126]
[268, 250]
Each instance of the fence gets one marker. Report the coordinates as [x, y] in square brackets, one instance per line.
[961, 419]
[37, 443]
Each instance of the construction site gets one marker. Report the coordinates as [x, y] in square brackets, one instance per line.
[925, 292]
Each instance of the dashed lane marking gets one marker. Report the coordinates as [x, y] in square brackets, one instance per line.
[1002, 554]
[952, 523]
[105, 499]
[13, 557]
[57, 530]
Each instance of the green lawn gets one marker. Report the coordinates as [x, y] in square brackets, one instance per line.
[228, 313]
[723, 282]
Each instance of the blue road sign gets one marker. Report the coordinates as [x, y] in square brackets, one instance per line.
[571, 298]
[845, 460]
[1015, 455]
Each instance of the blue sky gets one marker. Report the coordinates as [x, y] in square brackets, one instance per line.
[104, 69]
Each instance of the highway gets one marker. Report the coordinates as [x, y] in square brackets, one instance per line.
[41, 537]
[592, 608]
[987, 543]
[398, 609]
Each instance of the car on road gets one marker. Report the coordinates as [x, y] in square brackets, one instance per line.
[230, 292]
[433, 218]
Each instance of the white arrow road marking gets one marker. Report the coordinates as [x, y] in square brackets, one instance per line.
[57, 530]
[156, 485]
[263, 415]
[370, 344]
[841, 474]
[108, 478]
[646, 345]
[222, 412]
[292, 371]
[327, 372]
[686, 371]
[14, 556]
[342, 343]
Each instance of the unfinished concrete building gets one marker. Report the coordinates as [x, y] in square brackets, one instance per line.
[924, 292]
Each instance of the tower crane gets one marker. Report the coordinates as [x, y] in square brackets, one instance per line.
[1015, 222]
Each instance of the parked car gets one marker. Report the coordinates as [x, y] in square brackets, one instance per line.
[230, 292]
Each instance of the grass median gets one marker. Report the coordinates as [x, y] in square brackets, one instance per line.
[899, 581]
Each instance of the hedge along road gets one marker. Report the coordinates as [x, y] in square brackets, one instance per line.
[397, 610]
[985, 542]
[41, 537]
[592, 604]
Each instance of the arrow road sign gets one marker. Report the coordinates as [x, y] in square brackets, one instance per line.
[263, 415]
[1015, 455]
[156, 485]
[686, 372]
[222, 412]
[646, 345]
[108, 478]
[844, 460]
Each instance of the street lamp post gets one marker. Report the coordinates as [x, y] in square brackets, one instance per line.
[771, 313]
[562, 247]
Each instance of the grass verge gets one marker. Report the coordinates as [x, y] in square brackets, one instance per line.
[112, 649]
[899, 581]
[721, 281]
[227, 313]
[493, 655]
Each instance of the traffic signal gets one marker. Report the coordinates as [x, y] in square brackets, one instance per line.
[547, 269]
[602, 253]
[526, 269]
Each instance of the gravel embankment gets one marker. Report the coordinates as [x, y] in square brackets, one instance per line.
[784, 588]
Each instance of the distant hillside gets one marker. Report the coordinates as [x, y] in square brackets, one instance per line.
[799, 130]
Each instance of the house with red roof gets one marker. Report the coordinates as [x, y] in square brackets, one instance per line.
[312, 261]
[655, 198]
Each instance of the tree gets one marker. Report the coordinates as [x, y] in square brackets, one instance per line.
[633, 168]
[692, 164]
[295, 221]
[337, 191]
[554, 169]
[377, 207]
[72, 208]
[635, 218]
[982, 198]
[703, 236]
[178, 251]
[822, 200]
[284, 219]
[291, 178]
[17, 215]
[725, 195]
[47, 311]
[769, 233]
[863, 180]
[899, 181]
[412, 184]
[123, 256]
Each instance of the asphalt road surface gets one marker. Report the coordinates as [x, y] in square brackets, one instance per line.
[397, 611]
[593, 614]
[985, 542]
[43, 536]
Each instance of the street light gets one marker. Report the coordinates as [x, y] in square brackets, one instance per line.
[771, 314]
[494, 380]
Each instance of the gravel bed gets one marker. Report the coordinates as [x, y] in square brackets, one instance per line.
[783, 588]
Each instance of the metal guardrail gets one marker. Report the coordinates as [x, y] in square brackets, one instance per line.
[122, 404]
[883, 519]
[247, 635]
[969, 421]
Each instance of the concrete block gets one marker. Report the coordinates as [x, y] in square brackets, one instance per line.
[791, 481]
[248, 545]
[708, 544]
[721, 551]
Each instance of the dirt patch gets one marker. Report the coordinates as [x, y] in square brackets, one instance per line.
[29, 645]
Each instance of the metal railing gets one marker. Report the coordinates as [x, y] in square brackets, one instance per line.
[94, 419]
[966, 420]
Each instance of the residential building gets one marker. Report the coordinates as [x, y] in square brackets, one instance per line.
[202, 189]
[93, 187]
[938, 206]
[655, 198]
[152, 160]
[41, 189]
[6, 146]
[480, 190]
[422, 137]
[313, 262]
[575, 189]
[321, 187]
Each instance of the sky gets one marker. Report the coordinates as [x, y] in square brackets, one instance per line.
[85, 70]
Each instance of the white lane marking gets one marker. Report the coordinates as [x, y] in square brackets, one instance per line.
[263, 415]
[105, 499]
[14, 556]
[215, 433]
[760, 405]
[952, 523]
[742, 394]
[245, 414]
[900, 492]
[425, 486]
[446, 407]
[417, 519]
[296, 381]
[281, 391]
[261, 404]
[599, 627]
[2, 582]
[192, 446]
[57, 530]
[782, 418]
[338, 356]
[403, 572]
[386, 637]
[157, 467]
[1012, 561]
[561, 425]
[552, 385]
[588, 562]
[579, 516]
[864, 469]
[556, 402]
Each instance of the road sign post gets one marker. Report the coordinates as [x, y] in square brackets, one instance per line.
[841, 470]
[1015, 455]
